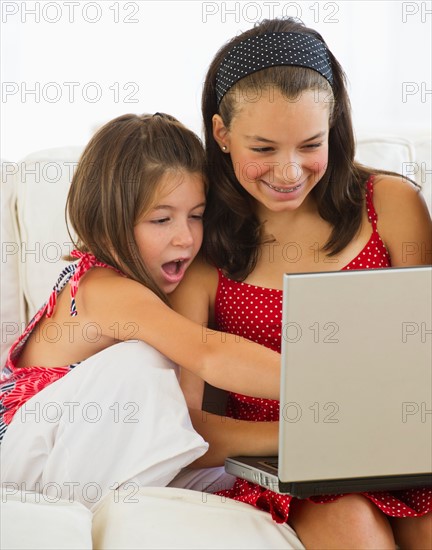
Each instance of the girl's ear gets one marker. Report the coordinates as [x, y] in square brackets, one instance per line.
[220, 133]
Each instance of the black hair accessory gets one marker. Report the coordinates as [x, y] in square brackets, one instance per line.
[269, 50]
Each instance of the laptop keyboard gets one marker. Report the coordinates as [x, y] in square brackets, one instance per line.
[271, 463]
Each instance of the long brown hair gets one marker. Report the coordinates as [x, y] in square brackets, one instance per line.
[232, 231]
[115, 183]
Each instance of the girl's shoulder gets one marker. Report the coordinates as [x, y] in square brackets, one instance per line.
[199, 284]
[394, 184]
[395, 195]
[103, 278]
[404, 221]
[102, 286]
[202, 271]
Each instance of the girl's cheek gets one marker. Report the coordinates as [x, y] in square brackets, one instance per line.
[319, 163]
[249, 171]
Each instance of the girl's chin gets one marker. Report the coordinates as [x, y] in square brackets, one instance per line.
[167, 288]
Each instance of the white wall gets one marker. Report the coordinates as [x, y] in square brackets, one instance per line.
[68, 66]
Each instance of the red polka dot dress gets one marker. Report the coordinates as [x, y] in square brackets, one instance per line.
[256, 313]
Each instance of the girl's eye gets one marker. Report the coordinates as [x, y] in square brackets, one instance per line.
[160, 220]
[313, 146]
[197, 214]
[261, 149]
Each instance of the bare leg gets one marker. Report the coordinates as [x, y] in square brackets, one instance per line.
[351, 522]
[413, 533]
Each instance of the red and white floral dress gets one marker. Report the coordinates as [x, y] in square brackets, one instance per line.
[18, 385]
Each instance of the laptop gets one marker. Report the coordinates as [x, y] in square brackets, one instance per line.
[356, 385]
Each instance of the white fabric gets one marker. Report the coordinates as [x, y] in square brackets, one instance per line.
[422, 167]
[171, 518]
[42, 184]
[387, 153]
[409, 157]
[30, 521]
[12, 311]
[206, 480]
[117, 416]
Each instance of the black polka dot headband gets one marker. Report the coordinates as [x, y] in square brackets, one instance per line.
[269, 50]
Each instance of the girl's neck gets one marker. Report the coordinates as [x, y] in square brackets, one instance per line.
[286, 221]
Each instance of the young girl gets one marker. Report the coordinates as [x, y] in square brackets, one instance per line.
[89, 392]
[285, 195]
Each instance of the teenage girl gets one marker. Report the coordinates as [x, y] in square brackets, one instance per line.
[281, 170]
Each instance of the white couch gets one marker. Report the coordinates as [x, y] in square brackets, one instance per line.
[34, 239]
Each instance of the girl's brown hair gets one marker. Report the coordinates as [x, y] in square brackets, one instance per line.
[115, 183]
[233, 232]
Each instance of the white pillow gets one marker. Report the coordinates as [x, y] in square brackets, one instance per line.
[32, 521]
[118, 416]
[167, 518]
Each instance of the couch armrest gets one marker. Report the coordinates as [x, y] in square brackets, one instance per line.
[12, 312]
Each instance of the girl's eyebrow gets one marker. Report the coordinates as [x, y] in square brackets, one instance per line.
[265, 140]
[316, 136]
[171, 207]
[259, 138]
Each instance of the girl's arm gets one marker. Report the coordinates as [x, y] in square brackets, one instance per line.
[231, 437]
[404, 221]
[194, 298]
[223, 360]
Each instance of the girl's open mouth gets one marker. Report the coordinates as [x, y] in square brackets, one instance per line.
[175, 270]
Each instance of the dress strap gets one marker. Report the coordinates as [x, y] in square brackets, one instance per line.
[72, 273]
[372, 215]
[63, 279]
[85, 262]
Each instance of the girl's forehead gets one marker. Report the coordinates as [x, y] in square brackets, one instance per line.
[308, 109]
[176, 189]
[271, 96]
[173, 178]
[179, 187]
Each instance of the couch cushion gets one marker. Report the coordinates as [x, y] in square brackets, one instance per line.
[423, 166]
[409, 157]
[171, 518]
[38, 522]
[387, 153]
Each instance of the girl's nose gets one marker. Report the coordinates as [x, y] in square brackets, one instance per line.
[183, 236]
[288, 170]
